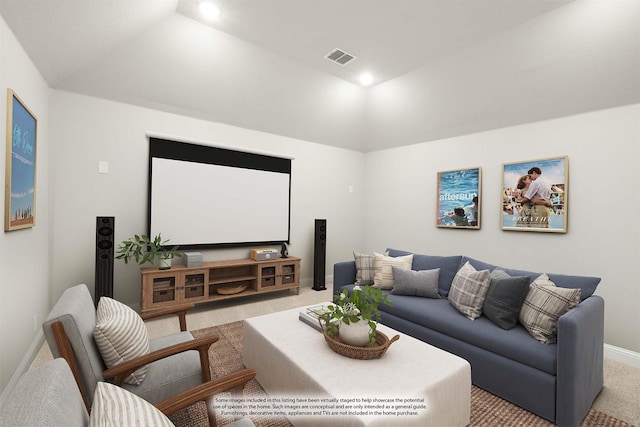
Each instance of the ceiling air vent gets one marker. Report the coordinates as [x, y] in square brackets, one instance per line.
[340, 56]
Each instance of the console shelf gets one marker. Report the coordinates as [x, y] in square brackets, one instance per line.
[218, 280]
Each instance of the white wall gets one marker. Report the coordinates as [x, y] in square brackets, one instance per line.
[24, 254]
[85, 130]
[603, 237]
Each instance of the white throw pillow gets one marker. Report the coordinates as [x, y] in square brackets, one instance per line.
[120, 335]
[383, 277]
[116, 407]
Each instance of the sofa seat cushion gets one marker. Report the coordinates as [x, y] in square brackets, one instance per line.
[440, 316]
[171, 375]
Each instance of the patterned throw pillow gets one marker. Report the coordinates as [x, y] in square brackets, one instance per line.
[468, 290]
[364, 268]
[115, 406]
[383, 276]
[120, 335]
[544, 305]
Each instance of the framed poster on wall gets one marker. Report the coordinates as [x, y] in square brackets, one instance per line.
[458, 204]
[20, 175]
[534, 195]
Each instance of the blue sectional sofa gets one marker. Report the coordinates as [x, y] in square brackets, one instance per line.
[555, 381]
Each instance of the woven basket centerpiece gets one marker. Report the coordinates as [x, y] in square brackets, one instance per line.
[370, 351]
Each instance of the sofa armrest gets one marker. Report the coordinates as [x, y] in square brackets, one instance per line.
[580, 360]
[344, 273]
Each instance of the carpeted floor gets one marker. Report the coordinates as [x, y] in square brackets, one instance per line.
[487, 410]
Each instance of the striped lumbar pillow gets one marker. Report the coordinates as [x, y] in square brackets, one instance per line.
[383, 276]
[115, 406]
[120, 335]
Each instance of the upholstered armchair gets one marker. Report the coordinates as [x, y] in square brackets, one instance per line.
[48, 396]
[108, 344]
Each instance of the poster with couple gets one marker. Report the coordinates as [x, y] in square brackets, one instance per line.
[534, 195]
[458, 204]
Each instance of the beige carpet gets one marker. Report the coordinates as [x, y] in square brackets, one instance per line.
[487, 410]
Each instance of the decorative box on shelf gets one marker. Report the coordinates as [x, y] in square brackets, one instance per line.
[192, 259]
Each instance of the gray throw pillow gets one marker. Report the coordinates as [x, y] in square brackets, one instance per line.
[504, 300]
[416, 283]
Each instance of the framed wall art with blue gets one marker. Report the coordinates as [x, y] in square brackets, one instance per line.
[20, 176]
[458, 204]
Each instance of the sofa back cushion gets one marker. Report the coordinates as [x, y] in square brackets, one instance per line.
[77, 313]
[45, 396]
[586, 284]
[448, 266]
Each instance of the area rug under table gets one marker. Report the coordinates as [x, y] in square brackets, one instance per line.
[487, 410]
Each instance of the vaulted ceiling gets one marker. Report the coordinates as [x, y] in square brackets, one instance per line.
[259, 56]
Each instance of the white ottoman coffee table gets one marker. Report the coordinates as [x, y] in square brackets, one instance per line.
[413, 384]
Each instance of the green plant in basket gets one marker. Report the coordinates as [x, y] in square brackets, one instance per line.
[360, 305]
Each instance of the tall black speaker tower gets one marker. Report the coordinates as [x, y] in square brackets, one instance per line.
[319, 255]
[105, 232]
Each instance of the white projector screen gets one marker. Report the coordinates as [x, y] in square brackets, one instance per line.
[203, 196]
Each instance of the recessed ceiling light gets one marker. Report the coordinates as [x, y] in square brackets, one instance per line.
[366, 79]
[209, 10]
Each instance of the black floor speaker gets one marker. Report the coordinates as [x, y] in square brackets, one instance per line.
[319, 255]
[105, 232]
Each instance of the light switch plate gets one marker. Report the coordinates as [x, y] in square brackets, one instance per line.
[103, 166]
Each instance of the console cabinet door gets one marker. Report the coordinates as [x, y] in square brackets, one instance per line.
[267, 276]
[160, 289]
[195, 285]
[278, 275]
[290, 273]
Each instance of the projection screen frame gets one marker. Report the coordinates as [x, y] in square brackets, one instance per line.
[184, 150]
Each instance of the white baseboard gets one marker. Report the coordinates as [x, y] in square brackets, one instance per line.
[622, 355]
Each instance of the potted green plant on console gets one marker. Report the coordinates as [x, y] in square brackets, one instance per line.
[144, 249]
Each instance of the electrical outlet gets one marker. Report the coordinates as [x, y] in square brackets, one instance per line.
[35, 323]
